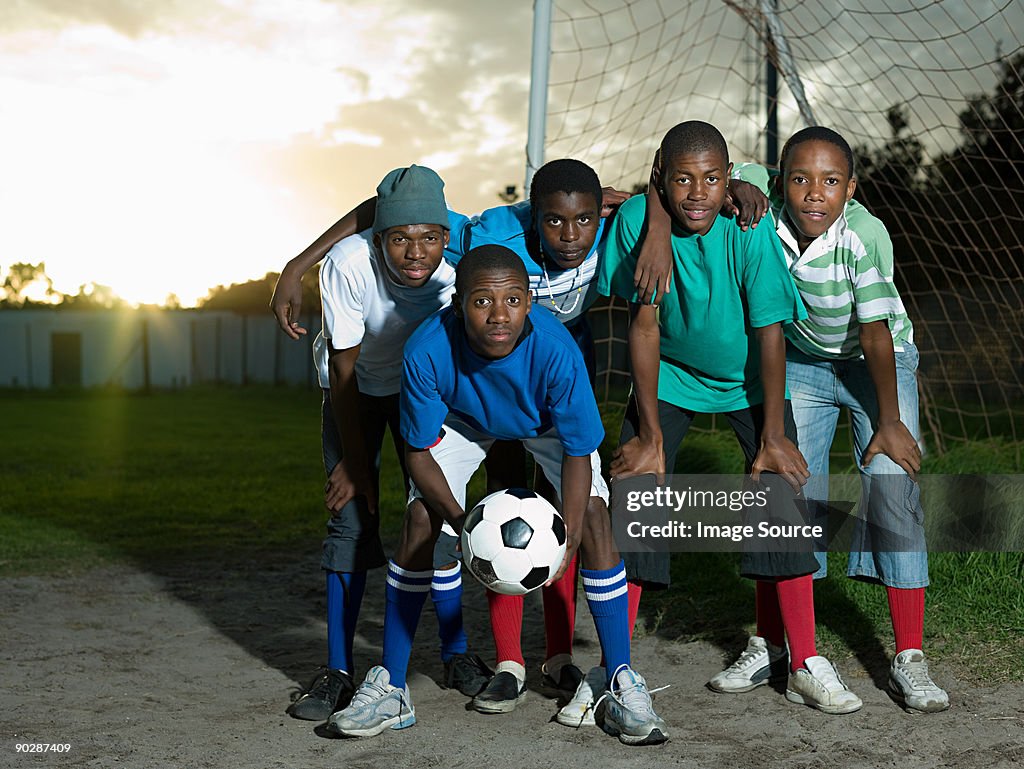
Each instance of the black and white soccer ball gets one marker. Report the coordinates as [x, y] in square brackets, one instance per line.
[513, 541]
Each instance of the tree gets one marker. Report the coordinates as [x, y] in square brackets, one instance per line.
[25, 281]
[253, 296]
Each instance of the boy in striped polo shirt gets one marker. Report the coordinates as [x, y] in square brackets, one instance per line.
[493, 367]
[856, 350]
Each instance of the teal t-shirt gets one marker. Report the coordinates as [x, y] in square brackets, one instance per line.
[725, 284]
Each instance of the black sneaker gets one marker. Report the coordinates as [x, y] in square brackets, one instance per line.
[501, 695]
[331, 690]
[467, 673]
[568, 681]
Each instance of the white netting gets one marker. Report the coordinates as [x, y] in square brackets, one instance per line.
[929, 93]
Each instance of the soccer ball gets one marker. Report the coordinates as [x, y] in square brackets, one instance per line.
[513, 541]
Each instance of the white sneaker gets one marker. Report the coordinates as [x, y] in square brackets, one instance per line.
[759, 663]
[911, 685]
[818, 684]
[579, 711]
[629, 712]
[376, 706]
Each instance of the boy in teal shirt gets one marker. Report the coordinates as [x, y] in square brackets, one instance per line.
[715, 345]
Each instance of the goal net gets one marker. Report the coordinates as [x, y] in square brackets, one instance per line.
[931, 96]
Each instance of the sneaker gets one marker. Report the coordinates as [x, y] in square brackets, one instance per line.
[467, 673]
[818, 684]
[501, 695]
[911, 685]
[565, 683]
[331, 690]
[579, 711]
[376, 706]
[759, 663]
[629, 713]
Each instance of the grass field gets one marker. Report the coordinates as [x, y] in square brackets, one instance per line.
[235, 474]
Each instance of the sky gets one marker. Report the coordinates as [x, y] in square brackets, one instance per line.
[168, 147]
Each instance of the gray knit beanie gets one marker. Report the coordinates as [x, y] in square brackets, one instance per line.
[413, 195]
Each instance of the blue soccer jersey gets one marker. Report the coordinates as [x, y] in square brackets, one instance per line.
[541, 384]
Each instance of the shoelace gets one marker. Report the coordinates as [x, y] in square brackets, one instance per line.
[745, 658]
[367, 692]
[917, 672]
[636, 696]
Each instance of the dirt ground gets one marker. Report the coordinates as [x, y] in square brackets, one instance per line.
[194, 668]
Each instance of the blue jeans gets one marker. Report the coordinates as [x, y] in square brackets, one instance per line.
[891, 500]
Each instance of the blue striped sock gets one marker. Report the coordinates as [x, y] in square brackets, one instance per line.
[344, 597]
[446, 593]
[406, 591]
[608, 602]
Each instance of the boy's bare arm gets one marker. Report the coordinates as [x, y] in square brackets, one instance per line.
[891, 436]
[654, 264]
[643, 453]
[286, 303]
[777, 453]
[351, 477]
[576, 477]
[430, 480]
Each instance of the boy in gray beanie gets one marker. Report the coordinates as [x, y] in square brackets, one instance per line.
[376, 286]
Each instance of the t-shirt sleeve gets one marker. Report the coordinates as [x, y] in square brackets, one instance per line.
[421, 410]
[458, 237]
[752, 173]
[574, 411]
[622, 249]
[345, 277]
[772, 296]
[875, 295]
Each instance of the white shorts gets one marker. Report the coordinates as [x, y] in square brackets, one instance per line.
[462, 449]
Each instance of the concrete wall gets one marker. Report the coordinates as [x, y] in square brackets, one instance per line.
[169, 348]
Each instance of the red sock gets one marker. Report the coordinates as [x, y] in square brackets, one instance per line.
[796, 605]
[906, 607]
[506, 626]
[633, 592]
[560, 612]
[769, 618]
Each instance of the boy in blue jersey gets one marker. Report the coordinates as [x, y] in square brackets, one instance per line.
[717, 346]
[488, 368]
[376, 287]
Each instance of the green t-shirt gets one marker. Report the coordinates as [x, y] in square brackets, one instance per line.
[725, 284]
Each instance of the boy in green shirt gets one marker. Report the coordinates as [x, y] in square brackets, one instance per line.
[715, 345]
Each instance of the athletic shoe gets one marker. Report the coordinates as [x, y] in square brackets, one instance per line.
[911, 685]
[467, 673]
[579, 711]
[759, 663]
[501, 695]
[818, 684]
[629, 713]
[376, 706]
[330, 691]
[568, 680]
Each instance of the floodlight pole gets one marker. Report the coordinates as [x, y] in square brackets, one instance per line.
[537, 120]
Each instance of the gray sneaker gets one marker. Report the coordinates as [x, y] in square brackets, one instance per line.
[330, 691]
[629, 713]
[376, 706]
[911, 685]
[759, 663]
[818, 684]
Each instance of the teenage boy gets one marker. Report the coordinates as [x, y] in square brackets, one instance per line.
[488, 368]
[716, 346]
[376, 287]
